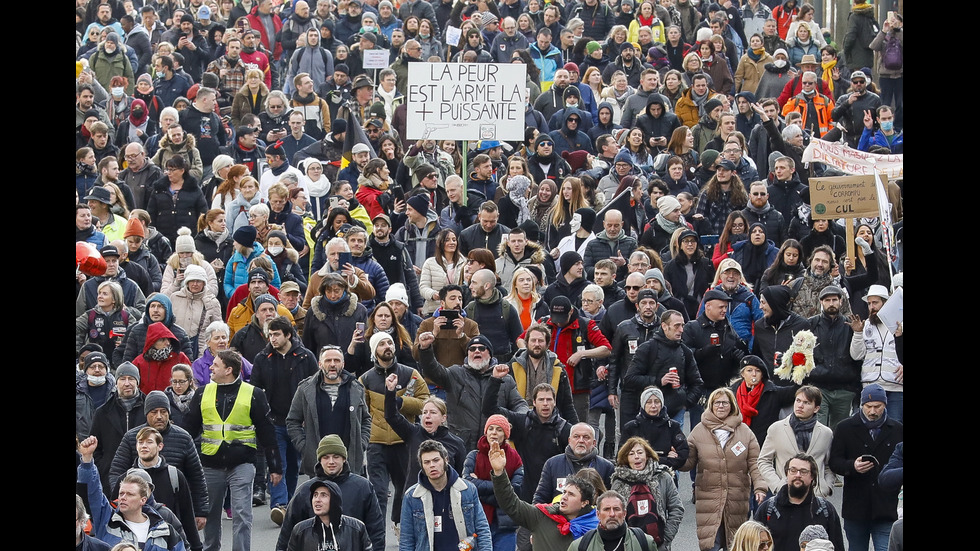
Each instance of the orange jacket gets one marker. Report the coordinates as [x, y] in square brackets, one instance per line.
[823, 105]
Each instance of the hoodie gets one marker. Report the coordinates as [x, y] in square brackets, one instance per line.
[154, 364]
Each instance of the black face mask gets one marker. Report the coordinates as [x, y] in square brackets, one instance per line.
[137, 113]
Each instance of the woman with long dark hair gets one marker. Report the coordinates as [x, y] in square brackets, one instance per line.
[444, 267]
[736, 228]
[788, 265]
[755, 254]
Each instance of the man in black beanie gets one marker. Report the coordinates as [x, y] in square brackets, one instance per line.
[571, 280]
[774, 332]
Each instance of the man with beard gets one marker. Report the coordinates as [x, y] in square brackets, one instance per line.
[545, 163]
[799, 432]
[863, 444]
[536, 365]
[336, 89]
[627, 62]
[332, 465]
[548, 103]
[451, 337]
[278, 370]
[718, 350]
[328, 151]
[875, 345]
[612, 529]
[123, 408]
[759, 210]
[462, 382]
[499, 321]
[774, 332]
[230, 70]
[314, 109]
[795, 506]
[624, 309]
[387, 453]
[836, 368]
[393, 258]
[294, 27]
[807, 289]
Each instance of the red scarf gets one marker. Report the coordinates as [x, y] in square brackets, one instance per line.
[564, 525]
[748, 401]
[482, 469]
[646, 21]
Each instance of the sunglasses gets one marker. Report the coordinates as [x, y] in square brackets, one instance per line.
[478, 348]
[549, 144]
[633, 287]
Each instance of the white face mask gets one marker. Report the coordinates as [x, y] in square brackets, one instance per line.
[117, 91]
[276, 250]
[575, 223]
[96, 381]
[779, 63]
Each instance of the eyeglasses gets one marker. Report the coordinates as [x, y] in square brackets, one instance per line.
[589, 301]
[133, 155]
[477, 348]
[720, 403]
[178, 381]
[633, 287]
[794, 470]
[549, 144]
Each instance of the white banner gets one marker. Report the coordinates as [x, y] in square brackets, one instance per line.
[466, 101]
[375, 59]
[852, 161]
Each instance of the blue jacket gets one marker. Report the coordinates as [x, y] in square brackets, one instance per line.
[559, 466]
[376, 275]
[468, 516]
[548, 62]
[878, 138]
[236, 271]
[108, 526]
[743, 312]
[566, 141]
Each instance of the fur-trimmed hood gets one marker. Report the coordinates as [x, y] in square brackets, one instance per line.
[189, 141]
[537, 255]
[319, 304]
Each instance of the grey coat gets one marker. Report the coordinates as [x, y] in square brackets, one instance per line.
[465, 389]
[302, 422]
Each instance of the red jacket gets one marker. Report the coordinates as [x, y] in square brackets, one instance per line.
[260, 60]
[367, 196]
[783, 19]
[272, 45]
[565, 341]
[155, 375]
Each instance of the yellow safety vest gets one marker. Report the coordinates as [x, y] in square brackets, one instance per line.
[237, 428]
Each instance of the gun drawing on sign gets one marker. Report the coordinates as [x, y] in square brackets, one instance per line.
[430, 128]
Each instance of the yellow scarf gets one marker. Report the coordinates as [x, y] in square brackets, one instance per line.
[828, 75]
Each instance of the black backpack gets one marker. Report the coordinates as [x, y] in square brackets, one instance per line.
[583, 543]
[641, 512]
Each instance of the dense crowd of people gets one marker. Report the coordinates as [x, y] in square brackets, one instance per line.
[509, 345]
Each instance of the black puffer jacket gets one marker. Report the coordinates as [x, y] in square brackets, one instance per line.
[774, 398]
[170, 212]
[663, 433]
[718, 363]
[653, 359]
[833, 367]
[627, 338]
[332, 323]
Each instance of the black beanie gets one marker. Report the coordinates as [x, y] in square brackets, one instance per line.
[567, 260]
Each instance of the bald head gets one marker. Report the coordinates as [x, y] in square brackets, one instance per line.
[634, 282]
[484, 277]
[613, 223]
[121, 246]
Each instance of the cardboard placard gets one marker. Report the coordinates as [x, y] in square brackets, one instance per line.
[843, 197]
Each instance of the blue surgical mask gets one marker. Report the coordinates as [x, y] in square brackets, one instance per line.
[161, 74]
[117, 91]
[887, 126]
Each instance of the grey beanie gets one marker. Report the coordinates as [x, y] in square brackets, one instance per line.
[262, 299]
[655, 273]
[648, 392]
[154, 400]
[813, 532]
[128, 369]
[667, 204]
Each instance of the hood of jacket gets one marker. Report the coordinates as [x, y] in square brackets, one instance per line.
[569, 111]
[532, 250]
[157, 331]
[189, 142]
[656, 99]
[321, 307]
